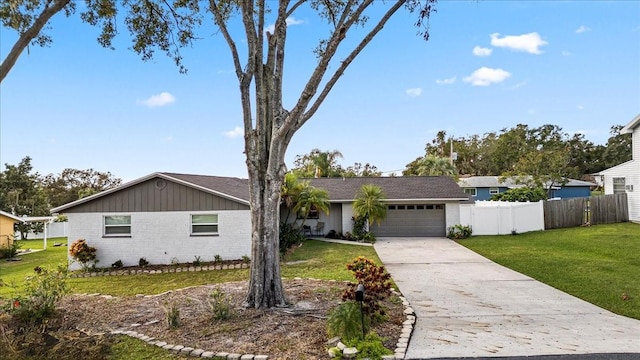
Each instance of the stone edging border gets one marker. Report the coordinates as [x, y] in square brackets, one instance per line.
[399, 353]
[165, 270]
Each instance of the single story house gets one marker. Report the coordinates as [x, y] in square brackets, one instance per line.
[168, 217]
[483, 187]
[626, 176]
[7, 228]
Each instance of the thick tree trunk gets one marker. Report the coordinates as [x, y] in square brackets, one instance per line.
[265, 283]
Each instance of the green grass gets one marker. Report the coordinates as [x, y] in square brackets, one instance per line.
[15, 271]
[126, 348]
[314, 259]
[597, 264]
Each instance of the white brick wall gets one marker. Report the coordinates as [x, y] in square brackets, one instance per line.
[161, 237]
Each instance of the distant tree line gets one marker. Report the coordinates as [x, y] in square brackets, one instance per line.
[24, 192]
[522, 150]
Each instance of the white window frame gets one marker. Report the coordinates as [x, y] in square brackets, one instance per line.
[471, 191]
[494, 191]
[619, 184]
[192, 225]
[106, 226]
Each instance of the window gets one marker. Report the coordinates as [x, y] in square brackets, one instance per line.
[204, 224]
[618, 185]
[420, 207]
[410, 207]
[313, 213]
[471, 191]
[392, 207]
[117, 225]
[493, 191]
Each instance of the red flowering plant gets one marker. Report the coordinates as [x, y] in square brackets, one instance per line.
[376, 281]
[81, 252]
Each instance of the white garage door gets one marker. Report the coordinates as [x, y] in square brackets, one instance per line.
[412, 220]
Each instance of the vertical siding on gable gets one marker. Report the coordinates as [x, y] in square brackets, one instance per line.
[146, 197]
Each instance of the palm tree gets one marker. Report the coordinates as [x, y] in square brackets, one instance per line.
[370, 204]
[290, 192]
[433, 166]
[311, 198]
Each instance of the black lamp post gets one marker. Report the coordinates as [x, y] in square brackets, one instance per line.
[360, 299]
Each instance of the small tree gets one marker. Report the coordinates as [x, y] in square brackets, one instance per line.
[521, 194]
[370, 204]
[83, 253]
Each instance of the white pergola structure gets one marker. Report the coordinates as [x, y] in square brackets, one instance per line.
[46, 220]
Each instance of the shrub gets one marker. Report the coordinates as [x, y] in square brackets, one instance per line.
[117, 265]
[197, 261]
[376, 281]
[360, 232]
[521, 194]
[220, 305]
[289, 236]
[173, 315]
[217, 259]
[83, 253]
[42, 291]
[371, 347]
[7, 252]
[345, 321]
[143, 262]
[459, 231]
[246, 259]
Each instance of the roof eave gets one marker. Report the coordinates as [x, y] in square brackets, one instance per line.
[628, 129]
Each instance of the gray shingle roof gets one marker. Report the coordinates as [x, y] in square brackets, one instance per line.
[494, 181]
[236, 187]
[339, 189]
[395, 188]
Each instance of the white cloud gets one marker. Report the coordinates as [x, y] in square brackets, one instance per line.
[530, 42]
[582, 29]
[566, 53]
[486, 76]
[480, 51]
[448, 81]
[414, 92]
[232, 134]
[519, 85]
[290, 21]
[580, 107]
[162, 99]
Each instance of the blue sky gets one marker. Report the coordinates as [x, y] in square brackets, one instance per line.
[488, 65]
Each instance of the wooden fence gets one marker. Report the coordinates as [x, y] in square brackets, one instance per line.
[603, 209]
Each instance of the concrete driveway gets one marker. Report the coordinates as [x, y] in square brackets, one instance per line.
[469, 306]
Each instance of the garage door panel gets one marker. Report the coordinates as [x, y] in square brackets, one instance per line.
[427, 221]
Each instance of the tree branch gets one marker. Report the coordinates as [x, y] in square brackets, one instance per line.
[346, 62]
[26, 37]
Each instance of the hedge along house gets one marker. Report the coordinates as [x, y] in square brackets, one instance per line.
[416, 205]
[165, 218]
[7, 228]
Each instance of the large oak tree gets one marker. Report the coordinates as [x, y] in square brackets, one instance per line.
[258, 56]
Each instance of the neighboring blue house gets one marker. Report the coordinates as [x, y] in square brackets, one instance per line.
[483, 187]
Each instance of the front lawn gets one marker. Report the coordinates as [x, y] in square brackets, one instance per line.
[313, 259]
[15, 271]
[599, 264]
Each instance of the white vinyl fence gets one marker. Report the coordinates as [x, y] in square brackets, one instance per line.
[54, 229]
[500, 218]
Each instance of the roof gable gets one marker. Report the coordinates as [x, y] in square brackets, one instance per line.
[633, 124]
[10, 216]
[230, 189]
